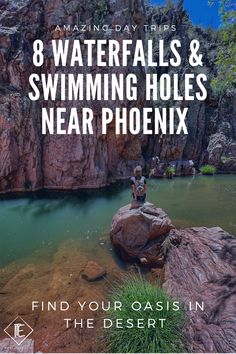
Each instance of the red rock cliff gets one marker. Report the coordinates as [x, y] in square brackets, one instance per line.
[30, 161]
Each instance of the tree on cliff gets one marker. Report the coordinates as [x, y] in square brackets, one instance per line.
[225, 80]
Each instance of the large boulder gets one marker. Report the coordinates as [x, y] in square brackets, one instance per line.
[93, 271]
[138, 233]
[201, 267]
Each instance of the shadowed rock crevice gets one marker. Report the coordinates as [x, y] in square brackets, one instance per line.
[30, 162]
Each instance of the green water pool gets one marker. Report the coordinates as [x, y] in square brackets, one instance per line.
[34, 227]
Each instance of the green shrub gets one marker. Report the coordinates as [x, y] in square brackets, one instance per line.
[208, 169]
[27, 184]
[170, 171]
[144, 340]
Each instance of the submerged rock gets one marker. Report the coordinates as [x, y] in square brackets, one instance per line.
[201, 268]
[138, 233]
[93, 271]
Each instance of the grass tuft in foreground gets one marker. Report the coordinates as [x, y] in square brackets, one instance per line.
[168, 339]
[208, 170]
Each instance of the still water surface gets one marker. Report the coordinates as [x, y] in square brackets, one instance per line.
[33, 228]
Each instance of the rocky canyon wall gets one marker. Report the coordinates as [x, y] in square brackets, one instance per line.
[31, 161]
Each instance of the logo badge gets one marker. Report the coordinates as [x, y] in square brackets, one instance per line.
[18, 330]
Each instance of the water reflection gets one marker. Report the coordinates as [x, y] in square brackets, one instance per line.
[38, 225]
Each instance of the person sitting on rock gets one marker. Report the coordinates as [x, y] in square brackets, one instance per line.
[138, 186]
